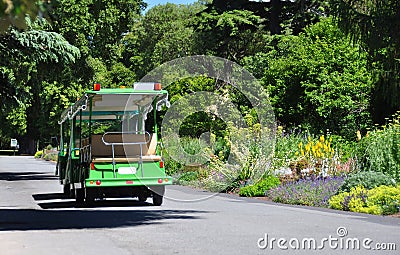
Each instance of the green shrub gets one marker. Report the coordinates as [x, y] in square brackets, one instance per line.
[387, 198]
[50, 156]
[380, 150]
[171, 166]
[368, 180]
[379, 200]
[38, 154]
[188, 176]
[49, 147]
[286, 145]
[259, 188]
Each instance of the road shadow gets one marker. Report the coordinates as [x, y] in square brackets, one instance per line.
[31, 219]
[96, 204]
[49, 196]
[26, 176]
[64, 202]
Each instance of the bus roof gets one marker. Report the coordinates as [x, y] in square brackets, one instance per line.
[107, 103]
[124, 91]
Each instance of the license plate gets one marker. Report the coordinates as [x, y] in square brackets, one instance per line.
[127, 170]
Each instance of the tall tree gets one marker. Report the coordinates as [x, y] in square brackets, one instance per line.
[278, 15]
[230, 34]
[162, 34]
[29, 58]
[97, 28]
[375, 26]
[317, 80]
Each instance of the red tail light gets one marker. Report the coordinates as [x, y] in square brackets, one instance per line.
[161, 164]
[157, 86]
[98, 182]
[160, 180]
[96, 86]
[92, 166]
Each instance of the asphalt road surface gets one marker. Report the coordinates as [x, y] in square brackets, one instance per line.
[35, 219]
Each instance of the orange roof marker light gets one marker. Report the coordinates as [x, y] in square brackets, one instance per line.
[157, 86]
[96, 86]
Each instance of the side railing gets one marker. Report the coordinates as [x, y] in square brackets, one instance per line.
[145, 141]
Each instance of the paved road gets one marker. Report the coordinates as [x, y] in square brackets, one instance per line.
[34, 219]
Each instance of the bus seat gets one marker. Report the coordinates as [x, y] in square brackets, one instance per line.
[99, 149]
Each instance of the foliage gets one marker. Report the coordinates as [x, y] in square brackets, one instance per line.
[162, 34]
[231, 34]
[366, 179]
[260, 187]
[188, 177]
[248, 160]
[29, 59]
[172, 167]
[317, 158]
[286, 147]
[299, 155]
[374, 25]
[319, 81]
[379, 200]
[277, 16]
[313, 192]
[379, 149]
[38, 154]
[51, 156]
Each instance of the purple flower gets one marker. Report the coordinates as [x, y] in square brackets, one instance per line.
[313, 192]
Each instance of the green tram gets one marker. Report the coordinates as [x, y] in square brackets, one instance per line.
[124, 160]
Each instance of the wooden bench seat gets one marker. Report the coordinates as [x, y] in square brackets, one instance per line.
[124, 153]
[146, 158]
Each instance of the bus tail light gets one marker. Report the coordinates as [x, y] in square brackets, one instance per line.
[157, 86]
[96, 86]
[161, 164]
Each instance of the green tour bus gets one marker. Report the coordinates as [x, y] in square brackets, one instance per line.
[105, 150]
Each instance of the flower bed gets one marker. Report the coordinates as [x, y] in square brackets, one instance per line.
[307, 192]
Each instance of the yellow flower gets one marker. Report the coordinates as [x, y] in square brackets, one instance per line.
[358, 135]
[300, 145]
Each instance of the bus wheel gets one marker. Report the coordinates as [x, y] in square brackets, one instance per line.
[80, 195]
[157, 199]
[90, 197]
[67, 190]
[142, 197]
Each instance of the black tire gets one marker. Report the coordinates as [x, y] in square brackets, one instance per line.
[157, 199]
[80, 195]
[142, 197]
[67, 190]
[90, 197]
